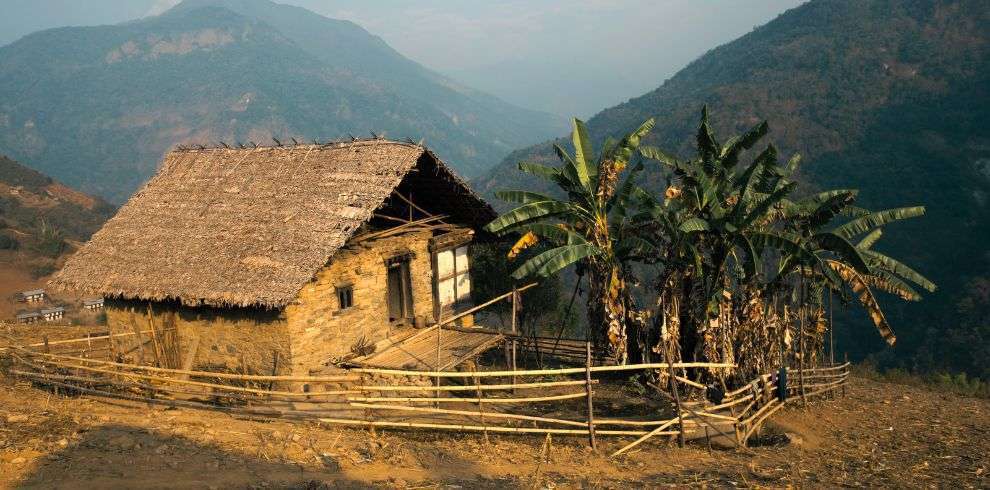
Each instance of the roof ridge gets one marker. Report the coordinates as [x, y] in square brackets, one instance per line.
[330, 144]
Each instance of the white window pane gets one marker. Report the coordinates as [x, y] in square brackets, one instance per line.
[462, 259]
[463, 286]
[446, 288]
[445, 263]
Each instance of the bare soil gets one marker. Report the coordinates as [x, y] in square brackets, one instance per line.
[879, 434]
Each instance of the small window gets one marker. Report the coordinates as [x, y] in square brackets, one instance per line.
[345, 297]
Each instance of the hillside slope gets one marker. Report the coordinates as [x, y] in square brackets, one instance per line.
[41, 221]
[888, 96]
[97, 107]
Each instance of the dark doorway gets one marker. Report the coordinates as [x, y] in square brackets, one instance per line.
[400, 305]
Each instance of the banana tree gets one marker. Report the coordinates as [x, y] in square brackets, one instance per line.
[715, 220]
[592, 227]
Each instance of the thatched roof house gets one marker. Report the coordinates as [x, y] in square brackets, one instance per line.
[280, 244]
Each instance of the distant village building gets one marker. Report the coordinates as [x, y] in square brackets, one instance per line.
[52, 314]
[29, 317]
[287, 259]
[33, 295]
[93, 304]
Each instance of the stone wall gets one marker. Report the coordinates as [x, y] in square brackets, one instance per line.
[320, 331]
[230, 339]
[308, 333]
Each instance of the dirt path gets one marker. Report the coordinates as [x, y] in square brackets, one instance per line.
[878, 435]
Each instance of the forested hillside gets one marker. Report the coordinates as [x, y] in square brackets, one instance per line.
[96, 107]
[886, 96]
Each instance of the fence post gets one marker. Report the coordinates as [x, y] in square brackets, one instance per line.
[846, 369]
[801, 313]
[514, 335]
[437, 366]
[481, 410]
[587, 387]
[677, 402]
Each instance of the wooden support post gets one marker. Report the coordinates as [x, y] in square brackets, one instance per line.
[481, 409]
[112, 345]
[140, 340]
[831, 339]
[159, 354]
[271, 383]
[437, 365]
[801, 313]
[515, 293]
[591, 406]
[677, 402]
[846, 358]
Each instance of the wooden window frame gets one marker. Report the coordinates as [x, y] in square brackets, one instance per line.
[344, 291]
[437, 278]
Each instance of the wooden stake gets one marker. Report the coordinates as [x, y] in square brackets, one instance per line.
[437, 366]
[159, 354]
[481, 409]
[845, 355]
[801, 313]
[140, 339]
[274, 369]
[677, 402]
[591, 407]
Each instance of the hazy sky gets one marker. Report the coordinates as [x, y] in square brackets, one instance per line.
[572, 57]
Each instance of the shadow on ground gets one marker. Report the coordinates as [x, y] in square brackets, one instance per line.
[123, 456]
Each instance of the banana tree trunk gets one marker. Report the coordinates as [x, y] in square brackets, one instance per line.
[607, 310]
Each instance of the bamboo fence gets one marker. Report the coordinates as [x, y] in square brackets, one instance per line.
[507, 401]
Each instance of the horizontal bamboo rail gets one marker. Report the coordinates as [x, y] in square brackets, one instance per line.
[730, 403]
[475, 413]
[112, 373]
[468, 400]
[747, 386]
[206, 374]
[236, 389]
[827, 368]
[493, 387]
[484, 305]
[485, 428]
[635, 423]
[542, 372]
[45, 378]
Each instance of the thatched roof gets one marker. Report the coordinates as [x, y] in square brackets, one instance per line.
[250, 227]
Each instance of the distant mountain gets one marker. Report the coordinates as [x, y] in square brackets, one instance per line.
[98, 106]
[888, 96]
[41, 222]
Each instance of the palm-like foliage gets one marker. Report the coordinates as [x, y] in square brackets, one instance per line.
[739, 258]
[592, 226]
[733, 230]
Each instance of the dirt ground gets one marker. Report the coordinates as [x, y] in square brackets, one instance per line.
[877, 435]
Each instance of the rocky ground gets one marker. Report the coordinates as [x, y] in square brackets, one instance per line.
[879, 434]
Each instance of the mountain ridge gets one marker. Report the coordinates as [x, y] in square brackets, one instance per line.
[888, 96]
[98, 106]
